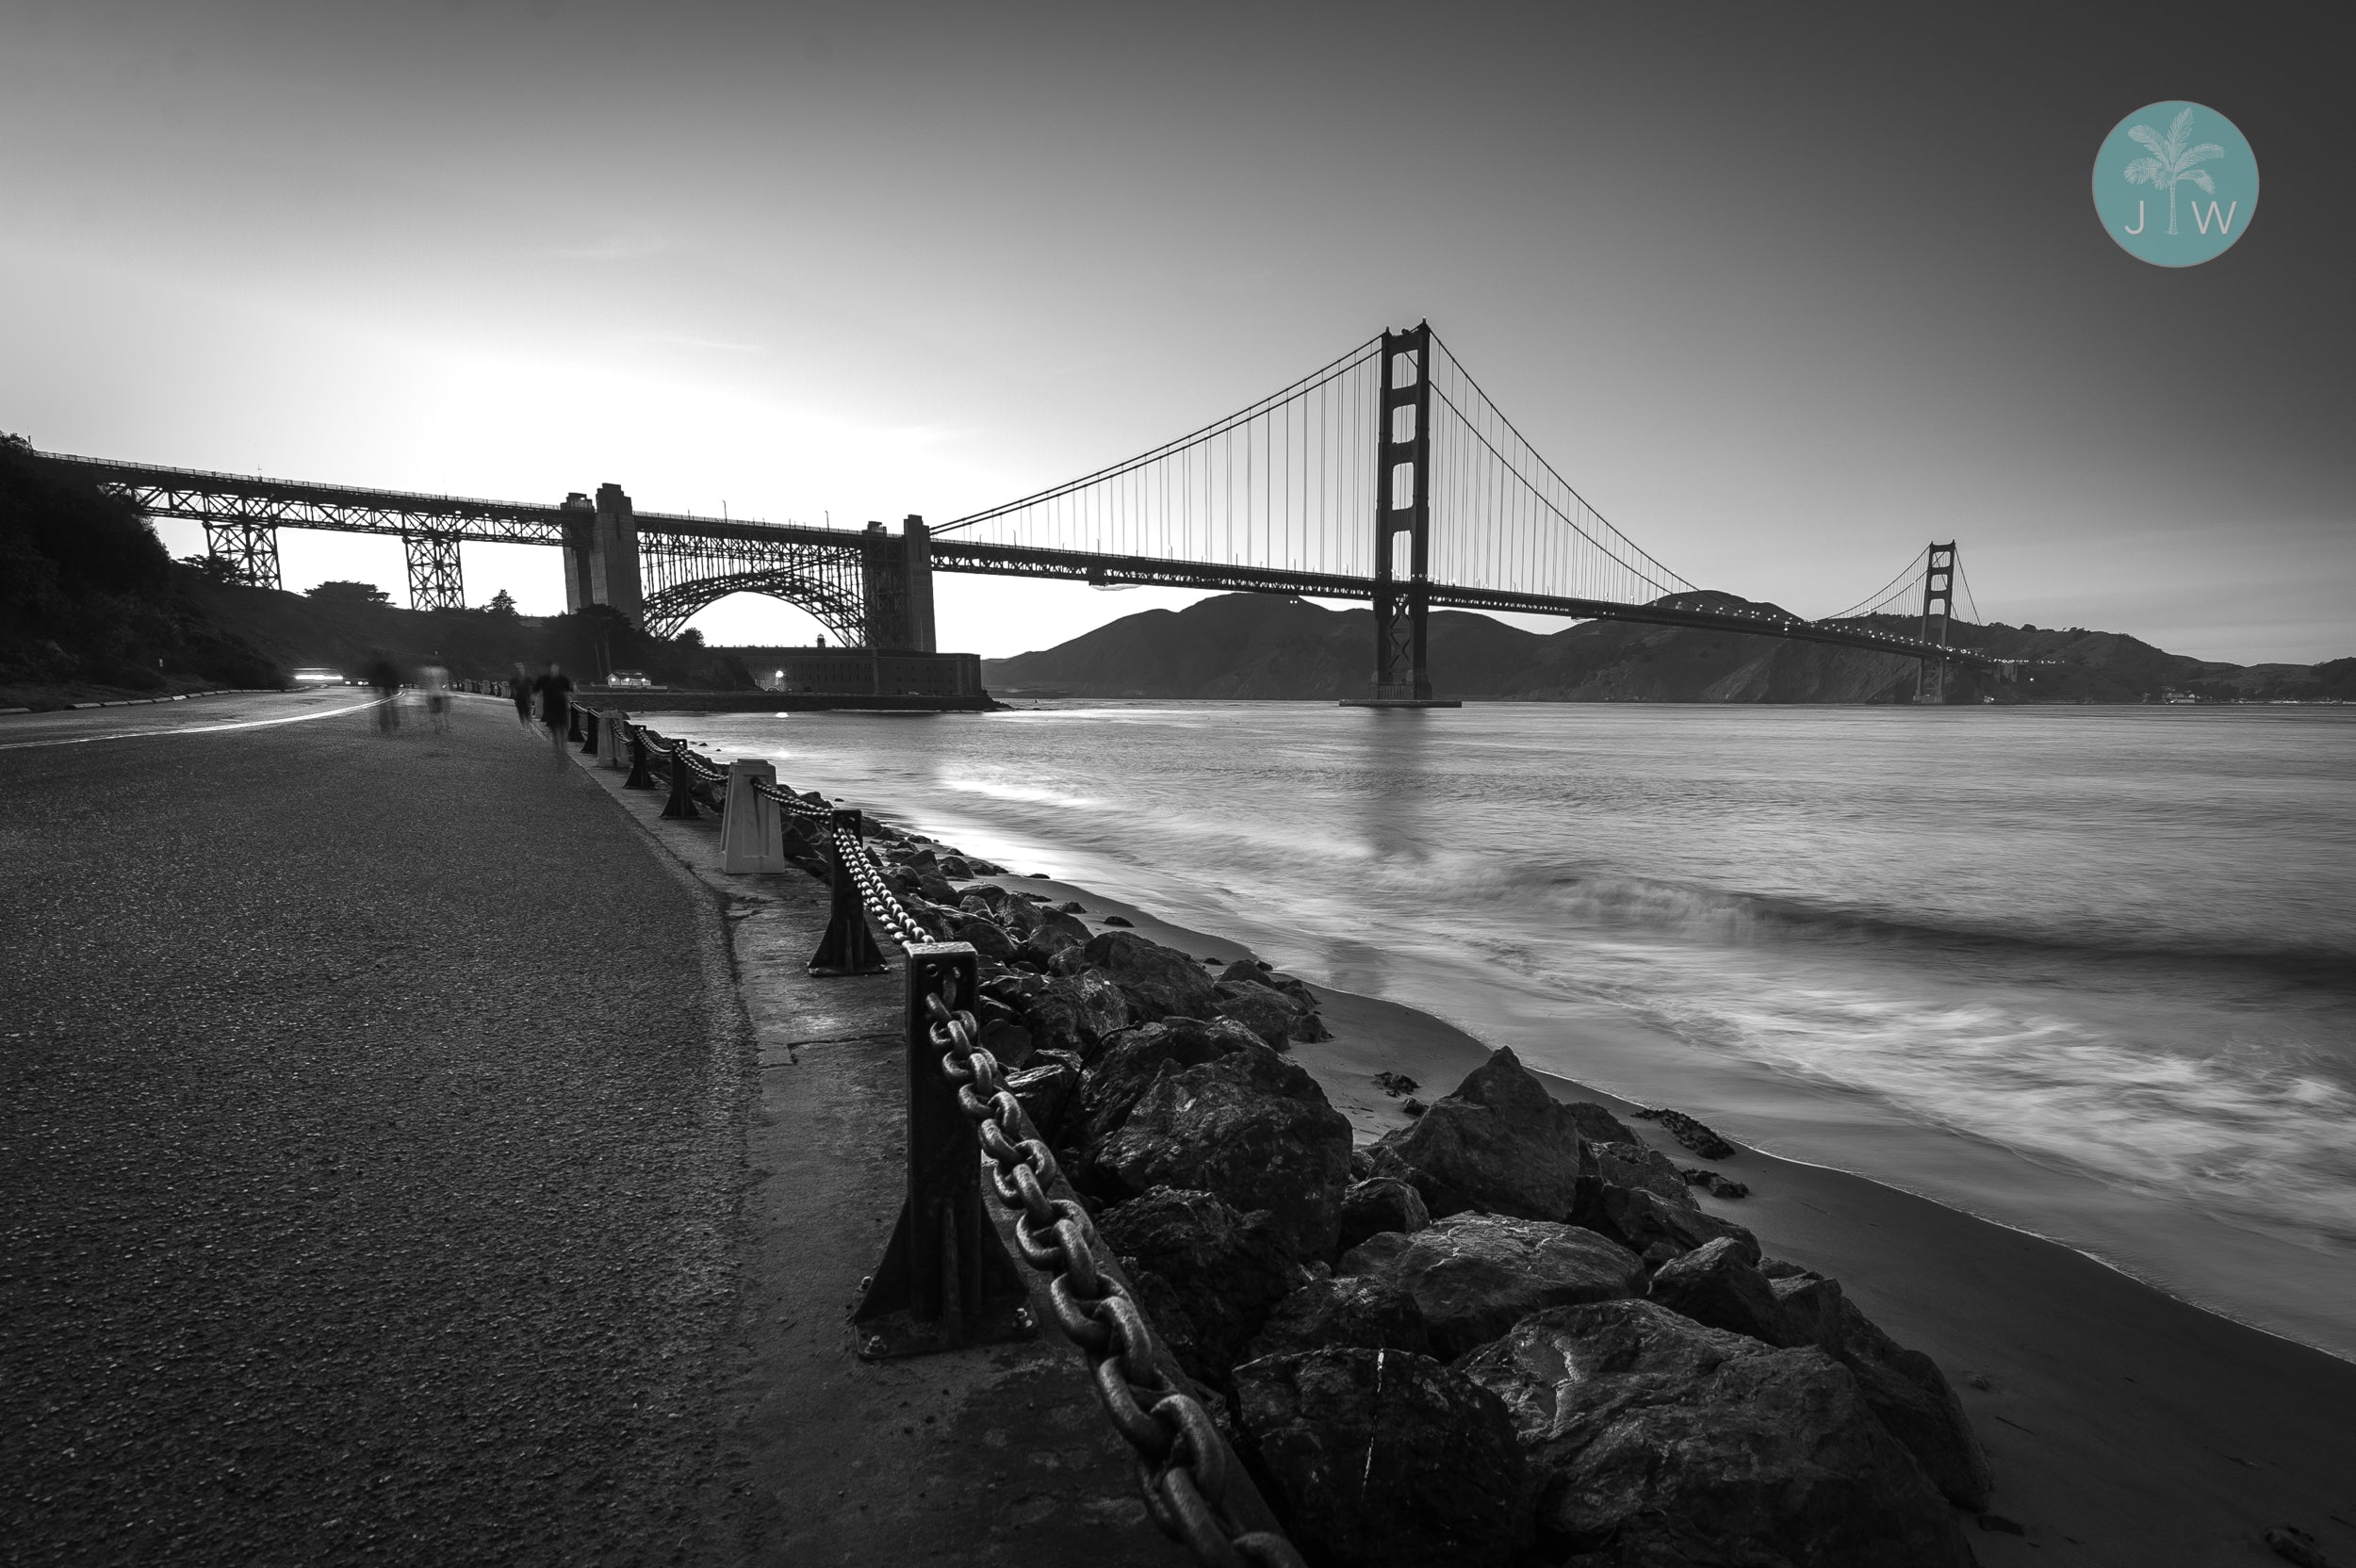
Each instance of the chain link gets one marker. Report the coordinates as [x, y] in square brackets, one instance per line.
[1181, 1464]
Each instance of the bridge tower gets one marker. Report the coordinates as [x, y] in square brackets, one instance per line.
[251, 548]
[896, 587]
[1938, 605]
[435, 582]
[1402, 516]
[601, 553]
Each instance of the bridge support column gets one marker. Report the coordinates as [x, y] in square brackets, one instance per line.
[917, 566]
[896, 587]
[580, 545]
[1403, 522]
[435, 582]
[614, 555]
[250, 550]
[1939, 604]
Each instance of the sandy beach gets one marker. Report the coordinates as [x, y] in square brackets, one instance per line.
[2123, 1427]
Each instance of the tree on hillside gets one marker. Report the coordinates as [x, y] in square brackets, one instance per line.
[691, 638]
[349, 593]
[502, 604]
[214, 569]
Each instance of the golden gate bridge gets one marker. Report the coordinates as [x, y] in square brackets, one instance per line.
[1387, 476]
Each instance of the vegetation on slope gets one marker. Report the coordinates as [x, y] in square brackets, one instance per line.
[1256, 646]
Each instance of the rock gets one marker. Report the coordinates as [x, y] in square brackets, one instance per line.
[1324, 1314]
[1713, 1183]
[1296, 988]
[1716, 1287]
[1131, 1060]
[975, 903]
[1692, 1134]
[1277, 1018]
[1158, 982]
[1046, 1087]
[1072, 906]
[986, 936]
[1636, 1195]
[2290, 1544]
[1904, 1388]
[1396, 1083]
[1499, 1143]
[1412, 1106]
[1476, 1275]
[1249, 1126]
[1226, 1270]
[1044, 948]
[1118, 920]
[1378, 1204]
[922, 859]
[955, 868]
[1077, 1012]
[935, 886]
[1245, 969]
[1597, 1125]
[1376, 1459]
[984, 868]
[1674, 1444]
[1009, 1042]
[1361, 1164]
[1644, 1217]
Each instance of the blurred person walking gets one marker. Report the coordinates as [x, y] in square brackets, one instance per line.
[520, 688]
[435, 681]
[556, 706]
[385, 676]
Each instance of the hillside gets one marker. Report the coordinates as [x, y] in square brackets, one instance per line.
[1258, 646]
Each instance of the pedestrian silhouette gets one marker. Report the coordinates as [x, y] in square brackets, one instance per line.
[385, 676]
[556, 706]
[520, 688]
[434, 681]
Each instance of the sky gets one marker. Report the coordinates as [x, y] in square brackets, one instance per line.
[1785, 291]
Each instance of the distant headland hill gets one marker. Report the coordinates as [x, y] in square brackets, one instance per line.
[1245, 645]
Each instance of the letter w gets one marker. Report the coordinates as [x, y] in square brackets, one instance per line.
[2224, 224]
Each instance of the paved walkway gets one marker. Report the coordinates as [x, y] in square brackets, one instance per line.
[395, 1174]
[369, 1127]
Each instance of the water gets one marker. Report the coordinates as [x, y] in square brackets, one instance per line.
[2087, 971]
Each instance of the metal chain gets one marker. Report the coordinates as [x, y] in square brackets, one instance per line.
[1181, 1461]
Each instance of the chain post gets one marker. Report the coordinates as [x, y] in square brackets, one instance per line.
[682, 801]
[572, 729]
[945, 1281]
[639, 779]
[610, 735]
[848, 947]
[588, 727]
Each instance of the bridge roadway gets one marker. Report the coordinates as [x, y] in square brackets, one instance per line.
[373, 1115]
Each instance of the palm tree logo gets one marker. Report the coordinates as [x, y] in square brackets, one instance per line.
[2172, 161]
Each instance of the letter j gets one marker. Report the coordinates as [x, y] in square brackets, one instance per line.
[2138, 228]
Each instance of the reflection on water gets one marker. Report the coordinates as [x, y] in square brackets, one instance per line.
[2118, 942]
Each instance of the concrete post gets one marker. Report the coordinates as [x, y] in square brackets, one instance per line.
[752, 828]
[610, 739]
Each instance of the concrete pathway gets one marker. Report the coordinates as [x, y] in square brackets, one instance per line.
[369, 1126]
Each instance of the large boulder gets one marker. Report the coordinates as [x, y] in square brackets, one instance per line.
[1500, 1143]
[1380, 1203]
[1370, 1313]
[1474, 1276]
[1132, 1059]
[1673, 1443]
[1250, 1126]
[1159, 982]
[1206, 1275]
[1637, 1194]
[1597, 1124]
[1903, 1387]
[1046, 1089]
[1269, 1014]
[1077, 1013]
[1716, 1287]
[1378, 1459]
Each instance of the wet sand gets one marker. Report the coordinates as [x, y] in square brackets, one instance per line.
[2123, 1427]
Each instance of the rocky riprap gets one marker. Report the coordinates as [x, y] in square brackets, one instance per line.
[1505, 1333]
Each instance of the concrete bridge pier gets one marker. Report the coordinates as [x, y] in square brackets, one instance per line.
[601, 553]
[896, 587]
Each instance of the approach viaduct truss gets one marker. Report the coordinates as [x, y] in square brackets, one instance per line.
[871, 588]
